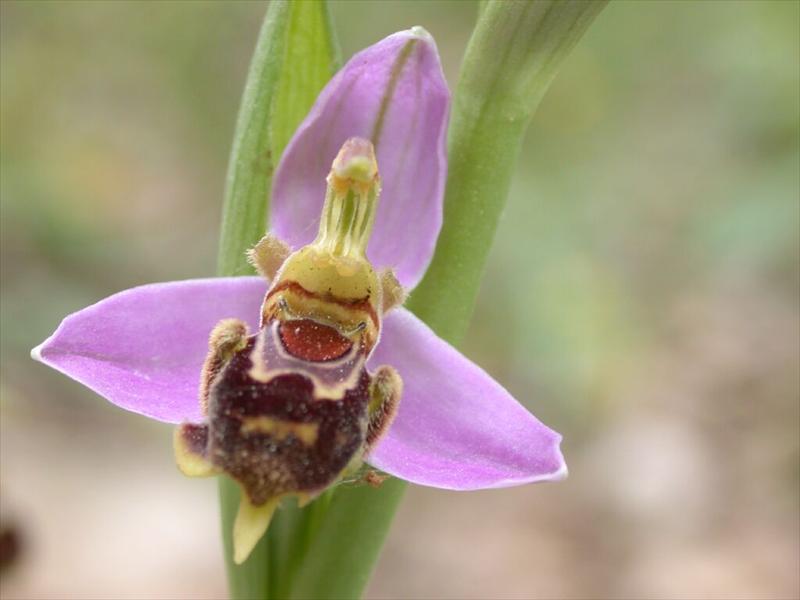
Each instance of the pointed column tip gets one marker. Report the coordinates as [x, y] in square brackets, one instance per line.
[420, 32]
[356, 161]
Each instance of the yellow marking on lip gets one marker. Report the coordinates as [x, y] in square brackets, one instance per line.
[305, 432]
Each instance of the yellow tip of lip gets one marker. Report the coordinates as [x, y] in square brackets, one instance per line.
[250, 526]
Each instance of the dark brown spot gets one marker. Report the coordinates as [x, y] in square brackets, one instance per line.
[375, 479]
[195, 437]
[10, 545]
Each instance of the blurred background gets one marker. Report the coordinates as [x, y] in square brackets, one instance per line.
[641, 298]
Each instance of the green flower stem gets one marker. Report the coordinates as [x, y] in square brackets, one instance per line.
[244, 213]
[251, 579]
[511, 58]
[342, 556]
[296, 54]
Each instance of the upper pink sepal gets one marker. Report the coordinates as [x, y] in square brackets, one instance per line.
[456, 428]
[143, 349]
[394, 94]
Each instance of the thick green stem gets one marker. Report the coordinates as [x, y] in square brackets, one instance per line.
[244, 213]
[251, 579]
[343, 553]
[512, 57]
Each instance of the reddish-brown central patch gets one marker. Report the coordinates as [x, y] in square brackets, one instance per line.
[313, 341]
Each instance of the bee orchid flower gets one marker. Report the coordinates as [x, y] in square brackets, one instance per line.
[315, 366]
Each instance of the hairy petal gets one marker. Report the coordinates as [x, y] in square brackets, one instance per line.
[456, 427]
[394, 94]
[143, 349]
